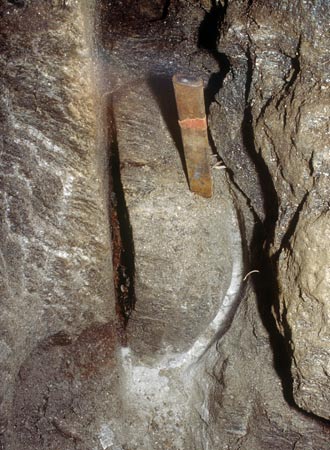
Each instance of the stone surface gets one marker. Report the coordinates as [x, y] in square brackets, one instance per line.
[70, 378]
[64, 392]
[181, 240]
[56, 270]
[227, 407]
[183, 260]
[279, 56]
[304, 309]
[239, 395]
[292, 136]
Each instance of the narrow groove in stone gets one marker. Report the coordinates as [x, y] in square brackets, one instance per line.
[166, 9]
[121, 230]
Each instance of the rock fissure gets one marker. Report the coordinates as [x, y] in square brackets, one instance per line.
[208, 36]
[91, 143]
[291, 227]
[122, 237]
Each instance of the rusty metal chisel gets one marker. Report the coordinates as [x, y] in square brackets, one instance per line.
[189, 95]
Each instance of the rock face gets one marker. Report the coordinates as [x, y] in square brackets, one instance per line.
[88, 104]
[298, 113]
[284, 50]
[182, 260]
[56, 274]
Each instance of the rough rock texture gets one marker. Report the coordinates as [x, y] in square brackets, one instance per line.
[283, 50]
[242, 391]
[182, 248]
[181, 241]
[56, 274]
[70, 379]
[64, 395]
[298, 113]
[239, 396]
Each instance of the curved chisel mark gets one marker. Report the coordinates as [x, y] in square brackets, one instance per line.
[222, 321]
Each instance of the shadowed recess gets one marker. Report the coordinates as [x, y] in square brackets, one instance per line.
[266, 285]
[121, 230]
[162, 88]
[208, 37]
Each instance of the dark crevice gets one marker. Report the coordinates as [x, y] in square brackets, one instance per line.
[266, 289]
[249, 77]
[291, 227]
[265, 179]
[123, 254]
[285, 118]
[266, 286]
[311, 166]
[166, 9]
[267, 293]
[208, 38]
[295, 64]
[18, 3]
[264, 107]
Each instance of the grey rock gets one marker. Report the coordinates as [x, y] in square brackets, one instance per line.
[56, 264]
[291, 134]
[278, 56]
[71, 378]
[181, 241]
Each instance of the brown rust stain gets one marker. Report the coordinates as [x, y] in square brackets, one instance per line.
[95, 349]
[121, 233]
[197, 123]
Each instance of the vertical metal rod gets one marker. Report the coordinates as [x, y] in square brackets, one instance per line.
[189, 95]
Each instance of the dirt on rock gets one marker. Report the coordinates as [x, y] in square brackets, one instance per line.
[135, 314]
